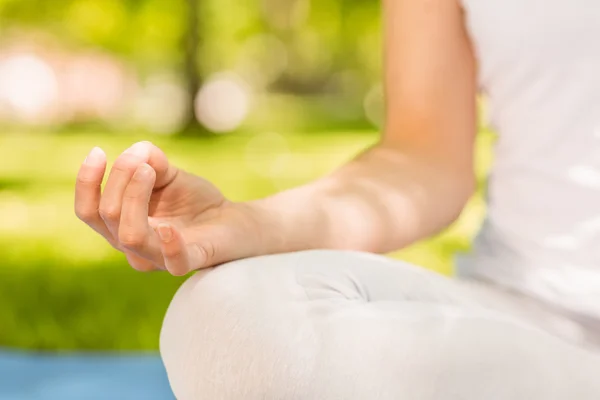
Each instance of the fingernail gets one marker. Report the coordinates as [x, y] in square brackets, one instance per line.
[164, 231]
[95, 157]
[144, 170]
[140, 149]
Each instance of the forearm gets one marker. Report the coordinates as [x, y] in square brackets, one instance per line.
[379, 202]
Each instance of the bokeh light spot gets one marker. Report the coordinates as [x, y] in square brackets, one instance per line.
[223, 103]
[28, 84]
[162, 106]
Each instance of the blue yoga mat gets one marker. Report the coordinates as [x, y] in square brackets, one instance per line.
[27, 376]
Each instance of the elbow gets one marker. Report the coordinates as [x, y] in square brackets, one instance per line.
[447, 179]
[457, 189]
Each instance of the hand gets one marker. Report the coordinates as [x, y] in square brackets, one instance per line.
[162, 217]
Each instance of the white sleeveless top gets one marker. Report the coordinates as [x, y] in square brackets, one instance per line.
[539, 65]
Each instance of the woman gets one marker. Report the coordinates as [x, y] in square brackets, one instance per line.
[287, 321]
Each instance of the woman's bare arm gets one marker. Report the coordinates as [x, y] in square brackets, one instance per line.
[417, 179]
[413, 183]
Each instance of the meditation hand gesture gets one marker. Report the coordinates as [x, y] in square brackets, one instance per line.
[160, 216]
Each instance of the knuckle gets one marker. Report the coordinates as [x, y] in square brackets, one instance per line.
[209, 251]
[131, 240]
[110, 213]
[85, 214]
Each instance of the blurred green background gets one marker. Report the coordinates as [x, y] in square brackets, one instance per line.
[256, 96]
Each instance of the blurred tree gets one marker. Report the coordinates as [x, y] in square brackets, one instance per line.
[192, 71]
[303, 47]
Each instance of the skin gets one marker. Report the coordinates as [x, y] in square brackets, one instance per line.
[411, 184]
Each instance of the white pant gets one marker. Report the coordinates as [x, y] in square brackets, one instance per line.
[328, 325]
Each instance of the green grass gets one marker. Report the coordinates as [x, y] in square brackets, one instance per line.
[62, 287]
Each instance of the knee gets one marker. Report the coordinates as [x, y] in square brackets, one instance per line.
[230, 332]
[260, 328]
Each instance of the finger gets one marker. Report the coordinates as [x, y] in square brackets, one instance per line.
[180, 258]
[135, 234]
[118, 179]
[88, 192]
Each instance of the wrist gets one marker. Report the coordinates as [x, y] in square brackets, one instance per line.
[288, 221]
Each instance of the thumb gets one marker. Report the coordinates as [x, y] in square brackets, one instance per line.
[220, 242]
[204, 247]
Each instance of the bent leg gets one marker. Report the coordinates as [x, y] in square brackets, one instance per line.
[348, 325]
